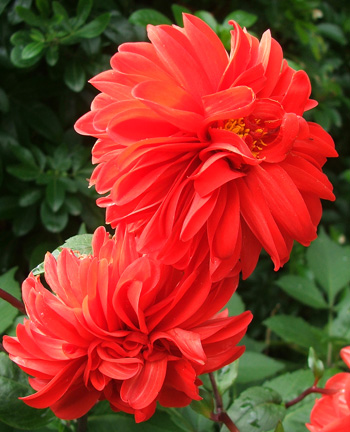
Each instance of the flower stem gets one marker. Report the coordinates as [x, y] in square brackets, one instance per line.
[13, 301]
[312, 389]
[221, 415]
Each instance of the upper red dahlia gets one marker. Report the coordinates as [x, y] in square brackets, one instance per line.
[331, 413]
[122, 327]
[198, 147]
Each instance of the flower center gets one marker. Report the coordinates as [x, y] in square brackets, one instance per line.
[253, 132]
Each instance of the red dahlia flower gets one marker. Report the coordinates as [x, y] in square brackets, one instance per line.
[331, 413]
[196, 146]
[122, 327]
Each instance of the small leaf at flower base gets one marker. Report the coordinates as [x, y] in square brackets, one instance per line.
[80, 243]
[74, 76]
[226, 376]
[303, 290]
[315, 364]
[13, 412]
[330, 264]
[255, 366]
[53, 222]
[205, 407]
[244, 19]
[7, 311]
[94, 28]
[143, 17]
[257, 409]
[295, 330]
[178, 10]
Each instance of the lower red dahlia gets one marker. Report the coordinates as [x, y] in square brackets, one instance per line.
[122, 327]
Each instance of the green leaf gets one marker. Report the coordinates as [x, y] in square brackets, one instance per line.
[80, 243]
[117, 422]
[205, 406]
[83, 11]
[297, 331]
[73, 205]
[143, 17]
[55, 194]
[60, 11]
[333, 32]
[7, 311]
[226, 376]
[18, 61]
[257, 409]
[29, 197]
[51, 55]
[14, 412]
[291, 384]
[36, 35]
[74, 76]
[315, 364]
[22, 37]
[94, 28]
[189, 421]
[178, 10]
[208, 18]
[24, 221]
[44, 121]
[43, 7]
[244, 19]
[330, 264]
[254, 367]
[23, 172]
[296, 418]
[29, 16]
[279, 427]
[53, 222]
[3, 4]
[303, 290]
[235, 305]
[23, 155]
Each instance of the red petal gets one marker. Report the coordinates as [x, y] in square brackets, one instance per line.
[141, 390]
